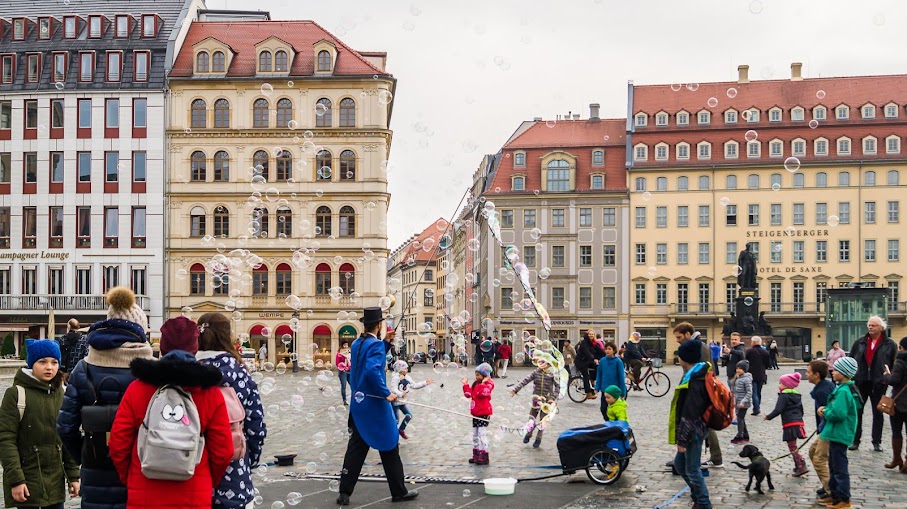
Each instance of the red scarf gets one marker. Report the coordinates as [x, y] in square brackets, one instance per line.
[871, 345]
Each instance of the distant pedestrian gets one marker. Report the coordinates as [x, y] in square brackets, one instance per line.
[715, 350]
[773, 353]
[342, 361]
[835, 353]
[610, 372]
[587, 355]
[873, 353]
[634, 357]
[759, 362]
[569, 357]
[480, 408]
[790, 407]
[263, 354]
[73, 346]
[504, 353]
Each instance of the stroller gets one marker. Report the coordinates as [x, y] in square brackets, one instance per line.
[603, 450]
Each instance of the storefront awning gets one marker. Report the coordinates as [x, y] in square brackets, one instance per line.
[256, 330]
[322, 330]
[347, 332]
[283, 329]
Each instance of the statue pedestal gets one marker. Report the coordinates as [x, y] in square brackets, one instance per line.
[747, 307]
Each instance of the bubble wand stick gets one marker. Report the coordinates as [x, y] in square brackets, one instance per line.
[427, 406]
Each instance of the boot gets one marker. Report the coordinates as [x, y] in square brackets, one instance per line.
[475, 456]
[528, 435]
[482, 458]
[896, 460]
[538, 440]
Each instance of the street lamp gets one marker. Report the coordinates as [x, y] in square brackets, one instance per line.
[295, 356]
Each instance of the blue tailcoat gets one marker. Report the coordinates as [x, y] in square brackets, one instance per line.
[374, 417]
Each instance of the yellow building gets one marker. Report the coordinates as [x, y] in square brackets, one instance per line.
[279, 136]
[809, 172]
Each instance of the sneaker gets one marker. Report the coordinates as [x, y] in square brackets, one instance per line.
[712, 464]
[737, 440]
[403, 435]
[734, 422]
[839, 505]
[821, 492]
[854, 446]
[757, 412]
[827, 499]
[591, 395]
[801, 472]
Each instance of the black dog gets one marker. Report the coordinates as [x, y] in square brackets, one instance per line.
[759, 468]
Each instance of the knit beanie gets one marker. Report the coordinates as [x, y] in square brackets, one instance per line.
[614, 391]
[690, 351]
[179, 333]
[790, 381]
[37, 349]
[122, 306]
[847, 366]
[484, 369]
[744, 365]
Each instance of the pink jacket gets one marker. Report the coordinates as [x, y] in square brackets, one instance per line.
[833, 355]
[342, 362]
[480, 393]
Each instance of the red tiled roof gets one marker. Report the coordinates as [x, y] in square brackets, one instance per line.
[242, 36]
[415, 248]
[854, 91]
[577, 137]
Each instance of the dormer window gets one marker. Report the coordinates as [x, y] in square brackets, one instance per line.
[34, 67]
[730, 117]
[43, 28]
[704, 118]
[219, 62]
[683, 118]
[774, 115]
[122, 26]
[281, 61]
[18, 29]
[59, 62]
[201, 62]
[148, 28]
[598, 181]
[870, 145]
[796, 114]
[86, 66]
[641, 119]
[8, 65]
[661, 119]
[705, 150]
[842, 112]
[753, 149]
[69, 27]
[661, 152]
[94, 27]
[819, 113]
[751, 115]
[324, 61]
[683, 151]
[141, 65]
[640, 152]
[264, 61]
[869, 111]
[598, 158]
[519, 159]
[891, 111]
[776, 148]
[519, 183]
[844, 146]
[114, 65]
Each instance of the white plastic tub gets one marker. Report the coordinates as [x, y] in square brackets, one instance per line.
[500, 486]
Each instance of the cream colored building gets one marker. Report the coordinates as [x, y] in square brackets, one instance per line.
[810, 172]
[279, 136]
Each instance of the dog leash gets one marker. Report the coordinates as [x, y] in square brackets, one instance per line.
[797, 449]
[672, 499]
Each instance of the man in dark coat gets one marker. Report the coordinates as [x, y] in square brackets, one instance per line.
[73, 346]
[371, 422]
[759, 362]
[733, 355]
[873, 352]
[587, 355]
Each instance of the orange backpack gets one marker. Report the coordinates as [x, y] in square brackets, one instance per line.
[720, 412]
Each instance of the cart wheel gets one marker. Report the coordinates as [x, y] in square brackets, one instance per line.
[658, 384]
[624, 464]
[575, 390]
[604, 467]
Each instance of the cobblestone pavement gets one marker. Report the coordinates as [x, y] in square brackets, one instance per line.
[314, 428]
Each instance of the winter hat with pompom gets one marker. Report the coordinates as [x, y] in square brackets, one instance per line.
[122, 306]
[791, 381]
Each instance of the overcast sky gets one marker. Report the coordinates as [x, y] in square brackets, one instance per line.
[470, 71]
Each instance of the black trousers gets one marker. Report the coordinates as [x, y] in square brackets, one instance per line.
[588, 374]
[872, 393]
[356, 451]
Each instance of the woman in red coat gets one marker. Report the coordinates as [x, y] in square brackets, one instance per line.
[200, 381]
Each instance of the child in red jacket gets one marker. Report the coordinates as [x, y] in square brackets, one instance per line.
[177, 367]
[480, 408]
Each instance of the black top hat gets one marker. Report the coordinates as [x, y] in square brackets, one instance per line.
[371, 316]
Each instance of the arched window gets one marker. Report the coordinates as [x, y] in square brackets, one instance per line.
[264, 61]
[222, 113]
[284, 165]
[284, 279]
[323, 112]
[260, 280]
[197, 279]
[322, 279]
[640, 184]
[730, 182]
[221, 166]
[323, 221]
[260, 163]
[348, 278]
[221, 222]
[894, 178]
[821, 179]
[284, 113]
[219, 62]
[260, 113]
[324, 61]
[260, 214]
[201, 62]
[558, 174]
[198, 166]
[199, 113]
[284, 222]
[347, 113]
[347, 222]
[347, 165]
[281, 62]
[799, 180]
[323, 170]
[197, 222]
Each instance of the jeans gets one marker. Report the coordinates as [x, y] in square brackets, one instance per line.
[839, 480]
[757, 397]
[407, 415]
[688, 466]
[742, 432]
[818, 455]
[871, 393]
[344, 380]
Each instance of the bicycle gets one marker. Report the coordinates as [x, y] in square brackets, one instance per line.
[656, 383]
[575, 389]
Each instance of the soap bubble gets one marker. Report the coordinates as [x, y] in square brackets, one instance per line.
[776, 187]
[278, 505]
[732, 92]
[267, 89]
[544, 273]
[792, 164]
[751, 135]
[652, 270]
[748, 301]
[813, 124]
[467, 493]
[187, 312]
[646, 196]
[820, 94]
[59, 85]
[712, 102]
[833, 221]
[294, 498]
[334, 486]
[724, 201]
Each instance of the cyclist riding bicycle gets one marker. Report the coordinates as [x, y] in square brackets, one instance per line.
[634, 359]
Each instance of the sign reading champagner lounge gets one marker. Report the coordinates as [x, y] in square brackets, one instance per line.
[35, 255]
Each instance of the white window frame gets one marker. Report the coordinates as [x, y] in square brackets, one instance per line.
[704, 115]
[842, 112]
[661, 152]
[516, 159]
[874, 148]
[736, 148]
[678, 151]
[640, 152]
[868, 111]
[888, 110]
[730, 117]
[641, 120]
[772, 113]
[848, 146]
[753, 149]
[820, 113]
[797, 114]
[683, 118]
[752, 116]
[703, 150]
[661, 119]
[897, 145]
[816, 150]
[793, 147]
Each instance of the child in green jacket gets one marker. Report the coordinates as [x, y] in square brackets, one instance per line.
[840, 429]
[617, 408]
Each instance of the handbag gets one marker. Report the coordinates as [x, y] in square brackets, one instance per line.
[886, 404]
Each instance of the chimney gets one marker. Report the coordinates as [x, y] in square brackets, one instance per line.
[743, 74]
[796, 69]
[576, 116]
[593, 112]
[537, 119]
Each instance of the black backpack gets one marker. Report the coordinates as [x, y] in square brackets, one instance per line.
[97, 421]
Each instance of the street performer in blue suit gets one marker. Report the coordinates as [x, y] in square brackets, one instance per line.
[372, 423]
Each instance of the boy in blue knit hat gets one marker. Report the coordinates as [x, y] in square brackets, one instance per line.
[840, 416]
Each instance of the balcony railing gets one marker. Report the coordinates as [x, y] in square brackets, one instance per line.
[770, 308]
[62, 302]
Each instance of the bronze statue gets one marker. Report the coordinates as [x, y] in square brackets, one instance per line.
[763, 327]
[747, 263]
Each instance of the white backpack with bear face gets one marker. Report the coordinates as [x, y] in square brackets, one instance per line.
[170, 443]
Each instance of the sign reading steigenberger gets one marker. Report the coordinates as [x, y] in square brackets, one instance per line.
[786, 233]
[34, 255]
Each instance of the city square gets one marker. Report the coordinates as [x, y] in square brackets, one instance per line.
[497, 182]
